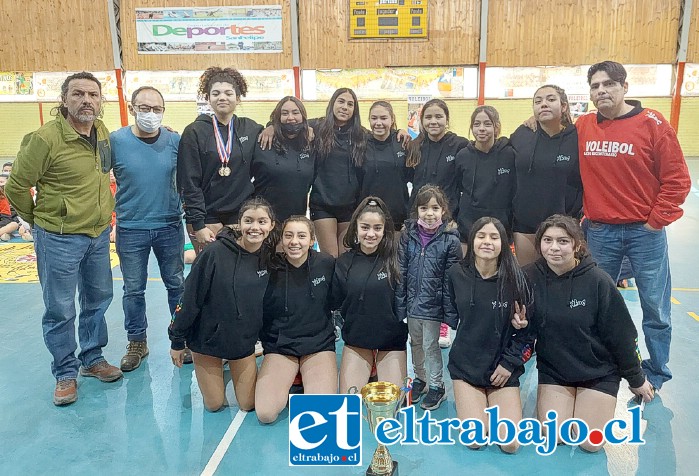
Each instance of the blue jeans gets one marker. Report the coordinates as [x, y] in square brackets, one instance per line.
[133, 247]
[647, 252]
[65, 262]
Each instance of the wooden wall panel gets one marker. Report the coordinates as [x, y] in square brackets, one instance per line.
[693, 47]
[55, 35]
[453, 38]
[194, 62]
[571, 32]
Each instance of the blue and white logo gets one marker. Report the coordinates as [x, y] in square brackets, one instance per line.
[325, 430]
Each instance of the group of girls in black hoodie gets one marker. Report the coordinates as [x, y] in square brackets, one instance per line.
[581, 360]
[585, 338]
[349, 163]
[523, 180]
[237, 290]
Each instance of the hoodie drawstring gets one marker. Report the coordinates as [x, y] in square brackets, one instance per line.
[308, 269]
[235, 271]
[368, 276]
[439, 154]
[286, 286]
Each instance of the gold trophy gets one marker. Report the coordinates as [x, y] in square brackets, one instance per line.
[382, 400]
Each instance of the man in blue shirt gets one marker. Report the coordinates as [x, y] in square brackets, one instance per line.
[148, 213]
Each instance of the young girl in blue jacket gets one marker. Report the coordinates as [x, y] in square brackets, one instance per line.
[427, 249]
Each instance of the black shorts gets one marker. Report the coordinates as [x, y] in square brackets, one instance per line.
[6, 220]
[609, 384]
[343, 214]
[271, 348]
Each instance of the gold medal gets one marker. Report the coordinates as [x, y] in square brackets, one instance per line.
[224, 150]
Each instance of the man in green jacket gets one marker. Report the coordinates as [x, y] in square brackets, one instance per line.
[68, 161]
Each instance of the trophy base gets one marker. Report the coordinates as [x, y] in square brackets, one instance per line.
[393, 472]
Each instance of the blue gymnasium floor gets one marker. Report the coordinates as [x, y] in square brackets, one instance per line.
[153, 421]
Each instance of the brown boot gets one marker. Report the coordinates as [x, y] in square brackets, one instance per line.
[102, 371]
[136, 351]
[66, 392]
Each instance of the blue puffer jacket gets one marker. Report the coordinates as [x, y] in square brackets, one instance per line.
[422, 291]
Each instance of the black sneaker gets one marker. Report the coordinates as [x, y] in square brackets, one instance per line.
[435, 397]
[419, 390]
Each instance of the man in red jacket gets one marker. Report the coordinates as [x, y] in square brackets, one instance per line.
[634, 178]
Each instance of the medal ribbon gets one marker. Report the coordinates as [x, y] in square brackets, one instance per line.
[224, 150]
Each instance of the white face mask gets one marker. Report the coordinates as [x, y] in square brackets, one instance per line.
[148, 121]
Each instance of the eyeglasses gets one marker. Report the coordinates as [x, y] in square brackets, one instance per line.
[144, 108]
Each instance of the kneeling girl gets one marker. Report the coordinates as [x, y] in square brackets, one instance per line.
[363, 288]
[220, 314]
[491, 296]
[298, 333]
[586, 340]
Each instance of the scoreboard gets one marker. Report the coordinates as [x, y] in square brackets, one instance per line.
[388, 19]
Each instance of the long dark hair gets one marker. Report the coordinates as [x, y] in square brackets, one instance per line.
[280, 141]
[415, 146]
[325, 136]
[511, 279]
[387, 248]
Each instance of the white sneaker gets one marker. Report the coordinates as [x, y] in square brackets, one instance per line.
[258, 349]
[444, 337]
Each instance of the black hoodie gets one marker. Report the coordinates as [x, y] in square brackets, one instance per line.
[484, 337]
[336, 183]
[207, 196]
[284, 179]
[487, 184]
[583, 328]
[297, 318]
[363, 292]
[548, 176]
[385, 175]
[220, 313]
[438, 167]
